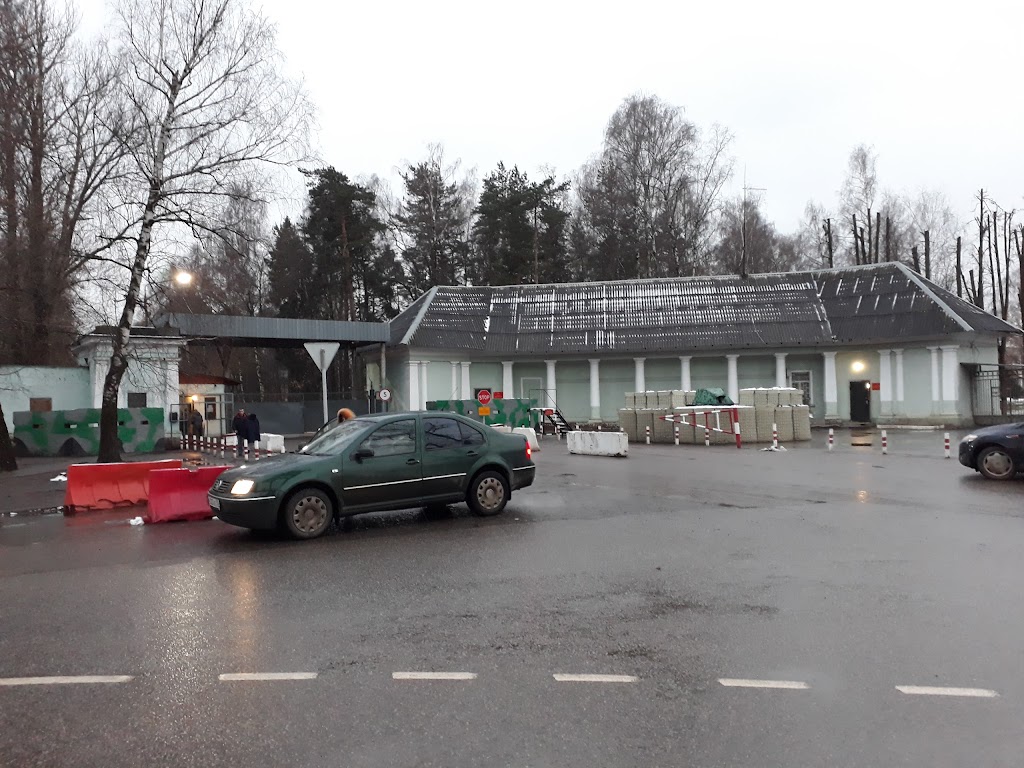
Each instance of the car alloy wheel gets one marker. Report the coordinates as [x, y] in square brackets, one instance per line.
[996, 464]
[308, 514]
[488, 494]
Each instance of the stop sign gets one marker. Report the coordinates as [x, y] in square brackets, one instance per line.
[484, 396]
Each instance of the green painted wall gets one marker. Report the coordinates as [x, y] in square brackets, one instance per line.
[485, 376]
[77, 432]
[917, 382]
[617, 378]
[754, 371]
[573, 381]
[662, 373]
[707, 372]
[528, 370]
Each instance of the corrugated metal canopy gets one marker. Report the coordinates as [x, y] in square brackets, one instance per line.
[876, 303]
[273, 331]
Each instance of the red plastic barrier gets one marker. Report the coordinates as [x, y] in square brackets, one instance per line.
[180, 494]
[104, 486]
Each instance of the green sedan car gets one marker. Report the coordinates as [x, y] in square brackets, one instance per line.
[377, 463]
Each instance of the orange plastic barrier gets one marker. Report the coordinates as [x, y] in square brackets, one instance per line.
[104, 486]
[180, 494]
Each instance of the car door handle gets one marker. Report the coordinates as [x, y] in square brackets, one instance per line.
[412, 462]
[472, 453]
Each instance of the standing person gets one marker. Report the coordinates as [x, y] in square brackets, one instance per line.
[240, 425]
[253, 433]
[197, 423]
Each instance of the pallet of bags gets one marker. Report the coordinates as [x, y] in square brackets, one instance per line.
[630, 401]
[627, 420]
[662, 431]
[644, 419]
[747, 396]
[748, 424]
[665, 400]
[784, 421]
[801, 422]
[763, 400]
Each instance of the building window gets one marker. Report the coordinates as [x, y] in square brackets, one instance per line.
[211, 408]
[801, 380]
[136, 399]
[40, 404]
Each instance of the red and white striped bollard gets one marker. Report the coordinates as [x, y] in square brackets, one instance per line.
[707, 437]
[885, 442]
[831, 438]
[946, 440]
[775, 435]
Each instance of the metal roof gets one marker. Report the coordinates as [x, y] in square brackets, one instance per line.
[874, 303]
[273, 331]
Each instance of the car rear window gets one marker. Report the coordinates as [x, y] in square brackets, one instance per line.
[471, 435]
[441, 433]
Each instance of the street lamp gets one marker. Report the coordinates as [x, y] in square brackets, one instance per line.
[183, 278]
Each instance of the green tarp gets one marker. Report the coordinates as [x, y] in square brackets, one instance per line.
[711, 397]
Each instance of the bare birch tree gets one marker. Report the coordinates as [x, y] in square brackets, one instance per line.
[208, 112]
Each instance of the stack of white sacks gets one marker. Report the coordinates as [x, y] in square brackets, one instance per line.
[760, 408]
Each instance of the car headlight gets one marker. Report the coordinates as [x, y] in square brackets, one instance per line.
[969, 439]
[241, 487]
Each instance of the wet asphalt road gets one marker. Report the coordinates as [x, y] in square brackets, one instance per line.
[849, 573]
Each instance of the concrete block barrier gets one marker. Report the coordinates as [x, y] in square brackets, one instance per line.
[598, 443]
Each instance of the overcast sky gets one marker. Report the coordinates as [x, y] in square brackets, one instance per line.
[934, 87]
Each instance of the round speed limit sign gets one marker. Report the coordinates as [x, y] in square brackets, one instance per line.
[384, 395]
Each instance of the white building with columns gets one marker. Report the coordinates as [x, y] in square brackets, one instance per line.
[876, 343]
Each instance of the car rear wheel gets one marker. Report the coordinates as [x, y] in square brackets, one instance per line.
[488, 494]
[996, 464]
[307, 513]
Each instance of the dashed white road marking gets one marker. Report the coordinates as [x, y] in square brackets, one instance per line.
[64, 680]
[931, 690]
[238, 676]
[791, 685]
[433, 675]
[595, 678]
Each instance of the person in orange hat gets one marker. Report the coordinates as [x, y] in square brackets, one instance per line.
[345, 414]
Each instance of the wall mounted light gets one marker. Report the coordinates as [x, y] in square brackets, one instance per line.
[858, 366]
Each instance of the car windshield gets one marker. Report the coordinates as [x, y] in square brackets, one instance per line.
[335, 439]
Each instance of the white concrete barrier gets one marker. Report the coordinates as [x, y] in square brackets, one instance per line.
[268, 442]
[502, 428]
[530, 435]
[598, 443]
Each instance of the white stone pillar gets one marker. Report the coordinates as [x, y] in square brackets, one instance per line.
[414, 385]
[424, 386]
[685, 365]
[780, 370]
[936, 392]
[831, 390]
[639, 374]
[734, 377]
[467, 388]
[595, 390]
[950, 380]
[550, 386]
[900, 407]
[455, 382]
[508, 385]
[885, 381]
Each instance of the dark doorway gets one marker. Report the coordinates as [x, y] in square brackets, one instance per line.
[860, 401]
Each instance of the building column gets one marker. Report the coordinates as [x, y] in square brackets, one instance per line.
[950, 380]
[455, 382]
[936, 395]
[900, 408]
[414, 385]
[467, 389]
[595, 390]
[780, 370]
[831, 390]
[734, 377]
[885, 381]
[423, 386]
[508, 384]
[685, 365]
[639, 374]
[550, 386]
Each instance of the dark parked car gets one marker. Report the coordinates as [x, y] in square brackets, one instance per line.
[997, 452]
[375, 463]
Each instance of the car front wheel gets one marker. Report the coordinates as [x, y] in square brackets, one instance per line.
[308, 513]
[488, 494]
[996, 464]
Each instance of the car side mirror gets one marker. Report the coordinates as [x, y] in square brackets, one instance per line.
[363, 453]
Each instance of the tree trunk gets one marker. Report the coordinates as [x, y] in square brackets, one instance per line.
[888, 239]
[960, 273]
[868, 249]
[979, 294]
[828, 239]
[878, 232]
[917, 259]
[856, 242]
[927, 255]
[8, 462]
